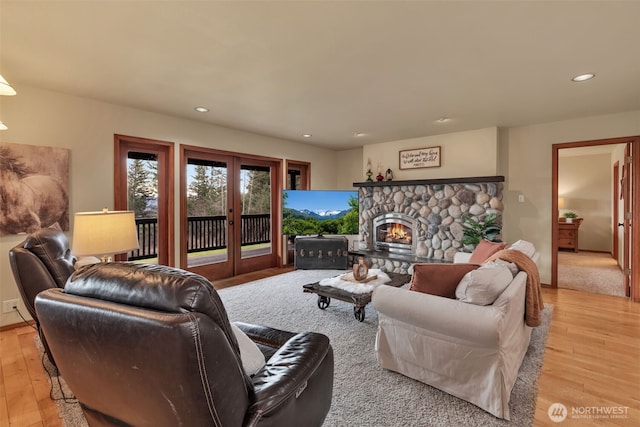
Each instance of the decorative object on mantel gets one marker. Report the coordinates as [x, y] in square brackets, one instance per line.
[420, 158]
[434, 181]
[369, 173]
[379, 177]
[389, 175]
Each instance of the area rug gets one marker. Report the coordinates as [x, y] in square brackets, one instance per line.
[594, 272]
[365, 394]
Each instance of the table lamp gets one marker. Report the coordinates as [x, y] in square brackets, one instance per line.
[104, 234]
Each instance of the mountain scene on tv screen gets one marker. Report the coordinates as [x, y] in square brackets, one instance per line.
[319, 213]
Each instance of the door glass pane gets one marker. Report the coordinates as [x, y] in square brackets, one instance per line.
[206, 212]
[293, 179]
[142, 198]
[255, 204]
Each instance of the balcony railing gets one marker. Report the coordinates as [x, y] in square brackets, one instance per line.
[204, 233]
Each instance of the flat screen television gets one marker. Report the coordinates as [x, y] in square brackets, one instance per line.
[319, 212]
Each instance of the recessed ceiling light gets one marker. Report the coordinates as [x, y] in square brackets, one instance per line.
[307, 135]
[583, 77]
[359, 134]
[443, 120]
[202, 109]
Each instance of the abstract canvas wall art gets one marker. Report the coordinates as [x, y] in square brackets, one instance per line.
[34, 183]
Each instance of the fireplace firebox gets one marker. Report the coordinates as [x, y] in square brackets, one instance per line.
[395, 232]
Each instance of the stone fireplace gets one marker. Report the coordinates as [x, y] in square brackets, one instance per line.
[406, 222]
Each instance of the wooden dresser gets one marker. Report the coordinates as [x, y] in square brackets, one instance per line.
[568, 234]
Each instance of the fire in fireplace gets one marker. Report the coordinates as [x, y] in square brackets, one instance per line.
[394, 232]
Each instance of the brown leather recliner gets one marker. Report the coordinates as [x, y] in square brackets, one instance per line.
[42, 261]
[152, 345]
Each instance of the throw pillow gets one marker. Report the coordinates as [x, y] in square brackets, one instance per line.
[484, 250]
[439, 279]
[485, 284]
[524, 247]
[252, 358]
[513, 268]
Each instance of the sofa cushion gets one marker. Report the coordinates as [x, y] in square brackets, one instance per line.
[439, 278]
[485, 284]
[252, 358]
[484, 250]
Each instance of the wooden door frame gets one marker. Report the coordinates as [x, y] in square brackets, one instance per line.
[616, 213]
[635, 208]
[305, 184]
[165, 151]
[305, 173]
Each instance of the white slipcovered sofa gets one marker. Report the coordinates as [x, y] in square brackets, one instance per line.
[471, 351]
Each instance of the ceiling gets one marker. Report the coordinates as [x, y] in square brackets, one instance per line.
[388, 69]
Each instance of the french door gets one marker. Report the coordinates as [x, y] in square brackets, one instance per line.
[143, 183]
[230, 212]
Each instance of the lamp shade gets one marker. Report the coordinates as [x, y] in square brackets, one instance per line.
[104, 233]
[5, 88]
[561, 202]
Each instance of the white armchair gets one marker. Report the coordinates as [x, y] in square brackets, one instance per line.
[471, 351]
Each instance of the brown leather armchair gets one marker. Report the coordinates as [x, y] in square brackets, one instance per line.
[42, 261]
[152, 345]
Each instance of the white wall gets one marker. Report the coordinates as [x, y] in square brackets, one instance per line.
[585, 183]
[528, 172]
[463, 154]
[349, 168]
[86, 127]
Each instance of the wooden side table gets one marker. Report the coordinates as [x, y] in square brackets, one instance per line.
[568, 234]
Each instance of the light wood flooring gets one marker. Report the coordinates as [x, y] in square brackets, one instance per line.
[591, 363]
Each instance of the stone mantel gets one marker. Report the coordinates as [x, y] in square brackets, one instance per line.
[463, 180]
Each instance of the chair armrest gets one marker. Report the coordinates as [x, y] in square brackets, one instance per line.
[264, 335]
[439, 315]
[285, 375]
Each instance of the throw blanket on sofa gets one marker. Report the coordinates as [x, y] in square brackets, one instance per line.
[533, 296]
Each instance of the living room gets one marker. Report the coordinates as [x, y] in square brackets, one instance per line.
[55, 116]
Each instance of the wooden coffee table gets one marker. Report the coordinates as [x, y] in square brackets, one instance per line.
[359, 301]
